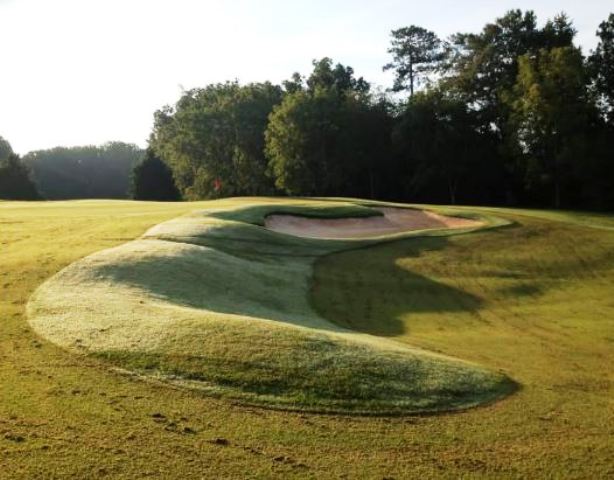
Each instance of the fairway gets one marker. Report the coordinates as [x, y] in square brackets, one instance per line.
[529, 300]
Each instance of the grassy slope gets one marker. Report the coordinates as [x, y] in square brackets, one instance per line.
[62, 415]
[223, 305]
[534, 299]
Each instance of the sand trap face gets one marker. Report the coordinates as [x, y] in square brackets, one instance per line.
[394, 220]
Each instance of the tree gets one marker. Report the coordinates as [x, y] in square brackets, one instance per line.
[416, 53]
[300, 141]
[15, 181]
[508, 117]
[551, 115]
[339, 79]
[440, 151]
[601, 64]
[152, 179]
[5, 149]
[330, 138]
[213, 139]
[482, 69]
[294, 84]
[364, 136]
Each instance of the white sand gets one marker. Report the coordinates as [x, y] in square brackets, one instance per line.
[394, 220]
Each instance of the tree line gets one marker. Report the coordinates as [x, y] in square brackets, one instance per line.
[84, 171]
[60, 173]
[515, 114]
[512, 115]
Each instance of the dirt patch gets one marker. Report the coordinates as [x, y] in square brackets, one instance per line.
[394, 220]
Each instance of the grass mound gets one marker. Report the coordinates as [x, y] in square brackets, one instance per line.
[214, 301]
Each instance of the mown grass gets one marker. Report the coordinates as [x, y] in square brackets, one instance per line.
[534, 299]
[67, 416]
[212, 302]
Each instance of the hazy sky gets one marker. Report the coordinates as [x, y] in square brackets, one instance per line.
[87, 71]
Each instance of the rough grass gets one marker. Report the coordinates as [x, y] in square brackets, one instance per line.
[216, 302]
[67, 416]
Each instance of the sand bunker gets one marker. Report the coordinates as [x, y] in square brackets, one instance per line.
[394, 220]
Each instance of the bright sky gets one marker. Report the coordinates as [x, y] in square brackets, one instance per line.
[88, 71]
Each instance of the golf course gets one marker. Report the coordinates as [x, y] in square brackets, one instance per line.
[304, 338]
[307, 240]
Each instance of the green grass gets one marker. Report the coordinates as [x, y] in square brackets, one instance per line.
[63, 415]
[214, 301]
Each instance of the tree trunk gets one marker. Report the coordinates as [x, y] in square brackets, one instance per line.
[371, 188]
[557, 183]
[411, 78]
[452, 186]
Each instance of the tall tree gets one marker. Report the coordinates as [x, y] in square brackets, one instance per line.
[602, 68]
[551, 116]
[5, 149]
[339, 78]
[482, 70]
[294, 84]
[15, 181]
[440, 151]
[152, 179]
[299, 141]
[328, 139]
[416, 53]
[213, 139]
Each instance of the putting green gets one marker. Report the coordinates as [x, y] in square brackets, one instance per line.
[216, 302]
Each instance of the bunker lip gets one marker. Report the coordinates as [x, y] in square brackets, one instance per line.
[393, 220]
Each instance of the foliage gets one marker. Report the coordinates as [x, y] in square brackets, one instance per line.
[15, 178]
[482, 68]
[298, 142]
[153, 180]
[601, 64]
[329, 138]
[5, 149]
[339, 79]
[551, 117]
[440, 152]
[15, 181]
[525, 91]
[505, 116]
[513, 114]
[213, 139]
[416, 52]
[84, 172]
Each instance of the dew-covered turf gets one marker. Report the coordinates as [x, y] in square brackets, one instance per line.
[534, 299]
[213, 302]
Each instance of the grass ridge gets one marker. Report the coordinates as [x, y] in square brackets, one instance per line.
[169, 310]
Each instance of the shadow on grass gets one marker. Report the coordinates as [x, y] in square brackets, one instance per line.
[362, 288]
[256, 286]
[367, 290]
